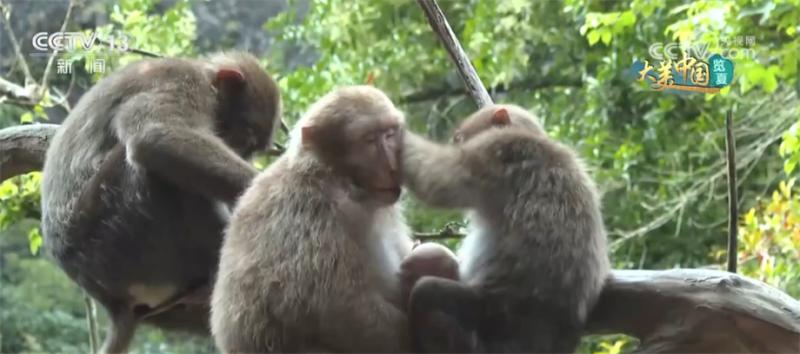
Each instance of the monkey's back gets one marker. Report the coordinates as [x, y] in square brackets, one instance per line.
[145, 220]
[540, 241]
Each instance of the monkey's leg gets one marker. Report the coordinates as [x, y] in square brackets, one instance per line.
[120, 330]
[89, 205]
[444, 316]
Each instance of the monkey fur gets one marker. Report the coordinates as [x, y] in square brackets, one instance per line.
[311, 258]
[138, 180]
[535, 260]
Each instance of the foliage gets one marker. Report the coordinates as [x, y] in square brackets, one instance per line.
[770, 240]
[20, 200]
[790, 148]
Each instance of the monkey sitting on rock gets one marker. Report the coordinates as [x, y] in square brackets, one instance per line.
[535, 261]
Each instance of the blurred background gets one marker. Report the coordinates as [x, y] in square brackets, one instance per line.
[658, 156]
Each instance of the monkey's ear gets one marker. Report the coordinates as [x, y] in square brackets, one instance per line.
[229, 76]
[501, 117]
[307, 135]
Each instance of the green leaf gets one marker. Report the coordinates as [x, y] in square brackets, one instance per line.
[26, 117]
[628, 18]
[606, 36]
[593, 37]
[34, 240]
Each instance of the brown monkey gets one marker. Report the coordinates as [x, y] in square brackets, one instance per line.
[138, 179]
[535, 262]
[426, 259]
[311, 256]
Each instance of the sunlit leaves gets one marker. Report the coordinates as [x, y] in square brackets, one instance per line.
[770, 240]
[790, 148]
[19, 198]
[602, 26]
[133, 21]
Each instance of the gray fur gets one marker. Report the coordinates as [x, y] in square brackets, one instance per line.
[307, 265]
[147, 226]
[535, 261]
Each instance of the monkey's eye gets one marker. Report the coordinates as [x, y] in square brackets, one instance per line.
[390, 132]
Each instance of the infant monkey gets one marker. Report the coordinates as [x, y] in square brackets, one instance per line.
[426, 259]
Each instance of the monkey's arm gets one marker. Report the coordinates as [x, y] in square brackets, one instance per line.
[437, 174]
[185, 155]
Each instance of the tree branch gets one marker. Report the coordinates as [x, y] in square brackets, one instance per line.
[130, 50]
[14, 91]
[530, 84]
[53, 55]
[449, 231]
[22, 148]
[4, 11]
[442, 29]
[697, 311]
[733, 199]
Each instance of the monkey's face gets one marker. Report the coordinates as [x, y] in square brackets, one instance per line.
[373, 160]
[249, 106]
[357, 131]
[367, 151]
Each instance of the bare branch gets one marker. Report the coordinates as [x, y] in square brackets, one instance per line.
[529, 84]
[733, 199]
[442, 29]
[14, 91]
[284, 127]
[15, 44]
[91, 322]
[130, 50]
[22, 148]
[449, 231]
[276, 150]
[49, 66]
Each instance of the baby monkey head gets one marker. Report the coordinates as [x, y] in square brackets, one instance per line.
[504, 116]
[357, 131]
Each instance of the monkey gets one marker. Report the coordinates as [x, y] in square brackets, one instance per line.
[426, 259]
[534, 261]
[311, 257]
[139, 180]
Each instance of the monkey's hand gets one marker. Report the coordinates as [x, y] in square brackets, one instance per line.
[437, 174]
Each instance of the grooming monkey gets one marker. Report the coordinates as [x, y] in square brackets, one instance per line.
[139, 178]
[535, 261]
[311, 258]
